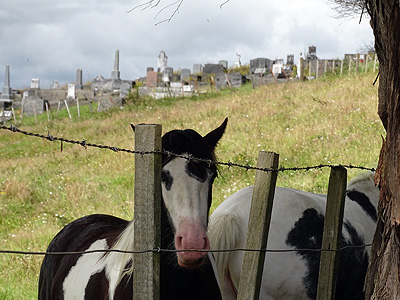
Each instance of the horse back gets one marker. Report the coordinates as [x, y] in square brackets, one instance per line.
[76, 236]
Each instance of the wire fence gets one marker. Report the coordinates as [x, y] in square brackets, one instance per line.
[228, 164]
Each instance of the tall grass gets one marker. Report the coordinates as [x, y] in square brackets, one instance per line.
[331, 120]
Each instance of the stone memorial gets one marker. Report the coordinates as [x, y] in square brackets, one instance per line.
[290, 59]
[35, 83]
[78, 83]
[115, 74]
[224, 63]
[197, 69]
[55, 85]
[6, 94]
[229, 80]
[238, 63]
[151, 79]
[210, 69]
[71, 91]
[260, 65]
[162, 61]
[185, 74]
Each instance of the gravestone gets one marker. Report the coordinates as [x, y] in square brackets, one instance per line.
[6, 90]
[197, 69]
[185, 74]
[115, 74]
[6, 97]
[290, 59]
[224, 63]
[312, 53]
[212, 69]
[35, 83]
[162, 61]
[55, 85]
[71, 91]
[78, 84]
[260, 65]
[235, 80]
[151, 79]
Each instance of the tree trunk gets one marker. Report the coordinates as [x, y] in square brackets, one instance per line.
[383, 277]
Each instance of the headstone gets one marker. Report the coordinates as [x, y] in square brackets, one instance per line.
[78, 84]
[212, 69]
[224, 63]
[25, 94]
[151, 80]
[312, 53]
[6, 90]
[225, 80]
[115, 72]
[197, 69]
[55, 85]
[290, 59]
[185, 74]
[162, 61]
[35, 83]
[71, 91]
[169, 71]
[260, 65]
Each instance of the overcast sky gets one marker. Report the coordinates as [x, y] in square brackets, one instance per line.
[51, 39]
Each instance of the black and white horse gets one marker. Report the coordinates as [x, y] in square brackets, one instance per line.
[186, 193]
[297, 224]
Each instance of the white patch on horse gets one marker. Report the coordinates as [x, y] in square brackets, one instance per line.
[86, 266]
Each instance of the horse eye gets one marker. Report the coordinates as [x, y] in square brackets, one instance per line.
[166, 178]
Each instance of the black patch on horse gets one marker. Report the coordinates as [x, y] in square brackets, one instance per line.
[364, 202]
[307, 233]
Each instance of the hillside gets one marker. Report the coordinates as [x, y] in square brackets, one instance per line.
[44, 186]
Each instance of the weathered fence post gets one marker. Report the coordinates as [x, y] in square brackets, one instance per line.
[332, 234]
[147, 212]
[358, 63]
[257, 233]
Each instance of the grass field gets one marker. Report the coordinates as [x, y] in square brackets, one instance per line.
[327, 121]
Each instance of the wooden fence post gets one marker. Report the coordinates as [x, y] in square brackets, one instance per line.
[332, 233]
[257, 233]
[147, 213]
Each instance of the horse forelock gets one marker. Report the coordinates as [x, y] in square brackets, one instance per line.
[186, 141]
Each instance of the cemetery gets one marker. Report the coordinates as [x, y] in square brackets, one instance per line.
[164, 81]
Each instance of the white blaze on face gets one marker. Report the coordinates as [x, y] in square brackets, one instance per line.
[186, 199]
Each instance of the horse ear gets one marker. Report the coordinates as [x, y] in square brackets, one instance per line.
[214, 136]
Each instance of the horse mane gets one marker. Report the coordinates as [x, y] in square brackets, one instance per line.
[177, 142]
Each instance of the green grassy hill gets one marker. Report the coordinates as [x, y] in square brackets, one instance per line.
[44, 186]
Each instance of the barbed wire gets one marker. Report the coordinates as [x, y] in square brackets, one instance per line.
[228, 164]
[159, 250]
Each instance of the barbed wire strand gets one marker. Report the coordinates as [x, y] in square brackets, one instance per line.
[228, 164]
[186, 250]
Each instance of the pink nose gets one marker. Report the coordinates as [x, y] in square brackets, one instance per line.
[191, 238]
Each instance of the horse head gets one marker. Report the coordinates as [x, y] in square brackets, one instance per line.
[187, 178]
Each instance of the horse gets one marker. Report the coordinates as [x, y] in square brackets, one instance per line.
[296, 225]
[186, 187]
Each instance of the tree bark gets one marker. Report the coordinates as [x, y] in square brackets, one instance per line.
[383, 277]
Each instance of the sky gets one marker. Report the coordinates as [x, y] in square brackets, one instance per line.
[51, 39]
